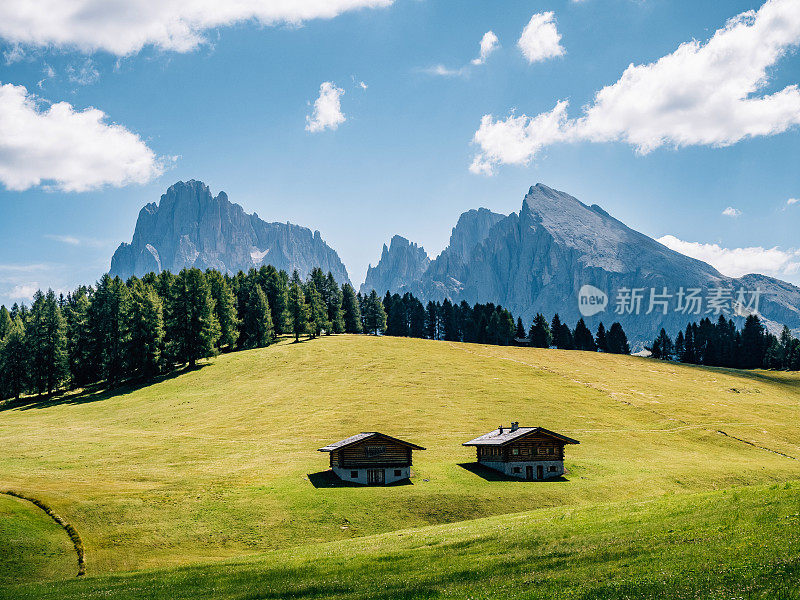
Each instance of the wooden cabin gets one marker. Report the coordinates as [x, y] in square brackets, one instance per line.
[371, 458]
[532, 453]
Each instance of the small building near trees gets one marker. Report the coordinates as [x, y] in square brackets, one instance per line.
[371, 458]
[531, 453]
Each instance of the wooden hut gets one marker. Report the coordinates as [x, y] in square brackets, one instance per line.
[532, 453]
[371, 458]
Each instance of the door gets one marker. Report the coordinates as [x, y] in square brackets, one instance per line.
[539, 472]
[529, 472]
[375, 476]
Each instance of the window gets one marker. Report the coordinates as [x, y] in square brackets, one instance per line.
[397, 472]
[551, 450]
[517, 469]
[551, 469]
[353, 474]
[375, 450]
[515, 451]
[541, 450]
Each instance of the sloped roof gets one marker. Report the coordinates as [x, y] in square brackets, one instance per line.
[365, 435]
[495, 438]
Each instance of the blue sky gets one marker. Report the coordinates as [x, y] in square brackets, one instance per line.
[229, 101]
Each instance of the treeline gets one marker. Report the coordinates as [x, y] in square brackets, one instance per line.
[491, 324]
[721, 344]
[119, 330]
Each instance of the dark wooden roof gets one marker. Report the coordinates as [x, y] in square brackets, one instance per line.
[366, 435]
[495, 438]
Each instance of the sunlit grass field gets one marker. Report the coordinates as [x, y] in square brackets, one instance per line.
[220, 462]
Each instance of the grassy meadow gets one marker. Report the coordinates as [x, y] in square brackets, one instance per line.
[220, 463]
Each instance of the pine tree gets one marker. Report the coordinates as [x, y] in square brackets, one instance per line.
[147, 331]
[317, 309]
[617, 340]
[520, 331]
[374, 314]
[194, 329]
[14, 360]
[416, 318]
[351, 310]
[224, 309]
[584, 340]
[258, 327]
[754, 344]
[562, 335]
[600, 338]
[109, 319]
[680, 345]
[662, 347]
[5, 322]
[298, 309]
[396, 318]
[333, 299]
[539, 334]
[277, 291]
[432, 321]
[47, 343]
[80, 358]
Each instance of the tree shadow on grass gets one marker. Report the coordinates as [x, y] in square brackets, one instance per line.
[92, 393]
[490, 474]
[329, 479]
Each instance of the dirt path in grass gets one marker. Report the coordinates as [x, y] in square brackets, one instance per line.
[615, 396]
[71, 531]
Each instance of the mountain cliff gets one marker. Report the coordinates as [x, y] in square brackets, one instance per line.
[402, 261]
[191, 228]
[539, 259]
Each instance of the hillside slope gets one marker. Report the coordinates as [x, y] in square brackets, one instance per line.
[222, 461]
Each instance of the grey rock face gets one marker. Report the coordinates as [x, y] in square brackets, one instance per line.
[191, 228]
[402, 261]
[537, 260]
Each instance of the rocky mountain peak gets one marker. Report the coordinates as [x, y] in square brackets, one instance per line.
[400, 262]
[190, 227]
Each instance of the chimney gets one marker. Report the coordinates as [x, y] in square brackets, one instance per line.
[501, 430]
[514, 425]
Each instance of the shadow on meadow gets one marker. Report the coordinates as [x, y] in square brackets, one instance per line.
[329, 479]
[489, 474]
[91, 393]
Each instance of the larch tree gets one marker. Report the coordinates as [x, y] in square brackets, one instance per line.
[224, 309]
[298, 309]
[14, 360]
[194, 327]
[258, 326]
[351, 311]
[147, 331]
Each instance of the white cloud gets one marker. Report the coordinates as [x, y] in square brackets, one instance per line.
[732, 212]
[540, 39]
[23, 291]
[443, 71]
[701, 94]
[72, 240]
[72, 150]
[85, 73]
[327, 109]
[489, 44]
[125, 27]
[792, 201]
[13, 54]
[736, 262]
[517, 139]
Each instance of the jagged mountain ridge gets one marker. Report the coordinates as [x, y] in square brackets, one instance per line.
[402, 261]
[537, 260]
[191, 228]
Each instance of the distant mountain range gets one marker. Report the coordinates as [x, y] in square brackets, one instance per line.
[191, 228]
[540, 259]
[556, 255]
